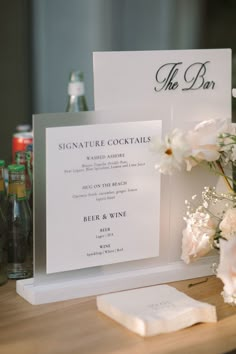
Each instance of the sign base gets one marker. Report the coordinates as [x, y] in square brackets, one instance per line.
[65, 290]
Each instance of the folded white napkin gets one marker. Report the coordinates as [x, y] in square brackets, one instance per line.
[156, 309]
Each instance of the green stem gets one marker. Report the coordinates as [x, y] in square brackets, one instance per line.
[216, 167]
[226, 178]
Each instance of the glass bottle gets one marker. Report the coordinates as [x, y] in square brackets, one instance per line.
[3, 227]
[3, 195]
[3, 248]
[19, 226]
[29, 158]
[76, 93]
[24, 158]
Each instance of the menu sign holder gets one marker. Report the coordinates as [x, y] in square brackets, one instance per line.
[101, 220]
[101, 227]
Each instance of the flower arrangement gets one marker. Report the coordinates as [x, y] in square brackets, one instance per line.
[210, 221]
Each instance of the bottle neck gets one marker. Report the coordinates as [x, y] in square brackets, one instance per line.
[24, 158]
[74, 99]
[76, 104]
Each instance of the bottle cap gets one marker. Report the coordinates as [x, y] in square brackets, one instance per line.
[16, 168]
[76, 76]
[20, 153]
[28, 155]
[2, 163]
[29, 147]
[23, 128]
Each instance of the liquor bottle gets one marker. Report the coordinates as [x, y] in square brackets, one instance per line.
[76, 93]
[3, 227]
[19, 226]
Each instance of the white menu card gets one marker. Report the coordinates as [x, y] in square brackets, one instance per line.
[102, 195]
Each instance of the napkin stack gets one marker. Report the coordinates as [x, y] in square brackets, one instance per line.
[155, 309]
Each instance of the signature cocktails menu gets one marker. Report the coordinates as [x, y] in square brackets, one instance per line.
[102, 195]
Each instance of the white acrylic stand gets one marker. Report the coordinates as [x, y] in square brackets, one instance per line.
[46, 293]
[46, 288]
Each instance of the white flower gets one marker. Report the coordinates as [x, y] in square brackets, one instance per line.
[198, 236]
[171, 152]
[233, 153]
[204, 141]
[227, 269]
[228, 224]
[227, 143]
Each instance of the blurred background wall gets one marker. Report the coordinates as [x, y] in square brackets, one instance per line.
[43, 40]
[65, 34]
[15, 73]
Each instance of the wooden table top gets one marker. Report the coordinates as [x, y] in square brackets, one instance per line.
[76, 327]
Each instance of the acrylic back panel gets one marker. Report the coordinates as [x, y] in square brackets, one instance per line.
[194, 84]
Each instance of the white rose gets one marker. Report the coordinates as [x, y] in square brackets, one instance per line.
[204, 141]
[228, 224]
[198, 236]
[227, 269]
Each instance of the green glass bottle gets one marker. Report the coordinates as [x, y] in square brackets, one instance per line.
[19, 226]
[76, 93]
[24, 158]
[3, 227]
[3, 194]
